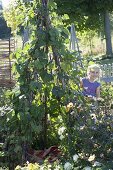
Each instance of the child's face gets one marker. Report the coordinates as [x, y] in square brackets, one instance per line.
[94, 73]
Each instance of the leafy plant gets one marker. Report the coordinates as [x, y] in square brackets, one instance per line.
[46, 82]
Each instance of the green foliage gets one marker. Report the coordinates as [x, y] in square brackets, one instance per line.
[44, 85]
[45, 166]
[87, 130]
[86, 14]
[16, 15]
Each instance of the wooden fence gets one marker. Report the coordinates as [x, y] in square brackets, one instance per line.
[107, 73]
[7, 46]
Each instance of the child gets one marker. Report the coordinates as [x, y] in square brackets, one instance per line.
[90, 86]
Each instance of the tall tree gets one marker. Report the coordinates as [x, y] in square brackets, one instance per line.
[89, 14]
[107, 33]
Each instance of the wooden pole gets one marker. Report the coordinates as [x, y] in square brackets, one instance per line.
[9, 57]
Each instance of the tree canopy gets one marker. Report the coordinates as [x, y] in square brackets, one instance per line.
[85, 13]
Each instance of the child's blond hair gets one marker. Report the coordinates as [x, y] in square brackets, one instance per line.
[94, 67]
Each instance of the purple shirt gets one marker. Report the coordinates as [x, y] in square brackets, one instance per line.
[90, 87]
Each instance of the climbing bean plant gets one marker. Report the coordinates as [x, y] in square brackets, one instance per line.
[46, 81]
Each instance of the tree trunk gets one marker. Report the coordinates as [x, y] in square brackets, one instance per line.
[107, 34]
